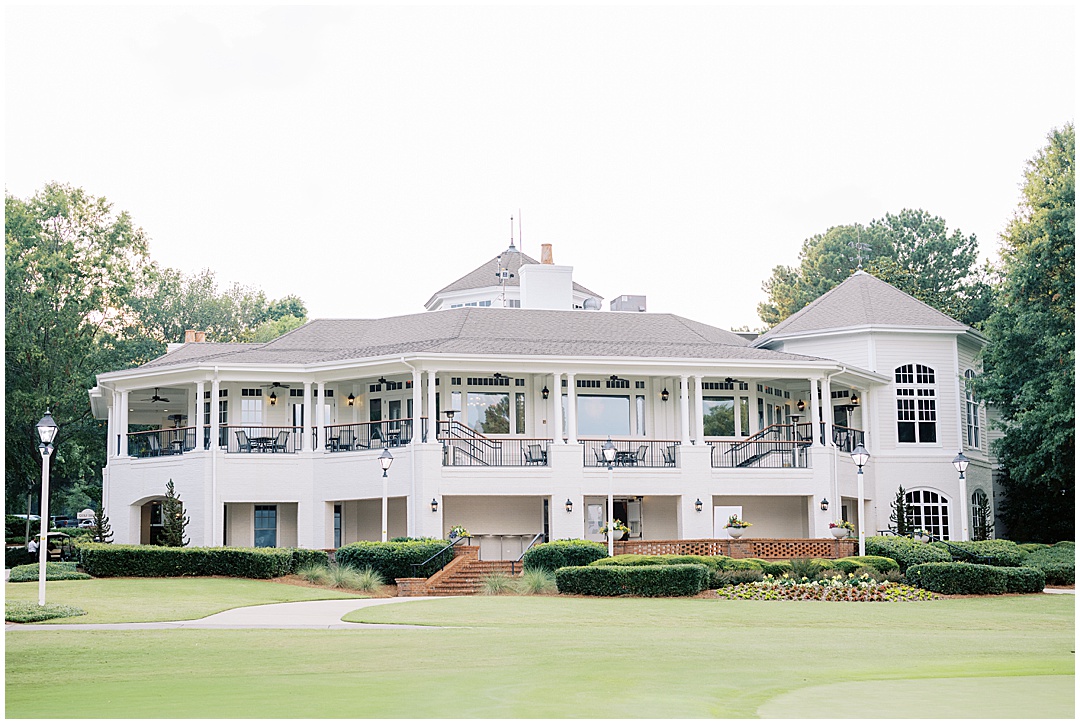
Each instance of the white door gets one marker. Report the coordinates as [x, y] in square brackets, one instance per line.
[721, 513]
[633, 518]
[594, 521]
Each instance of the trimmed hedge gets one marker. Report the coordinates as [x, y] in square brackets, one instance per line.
[560, 553]
[958, 578]
[741, 564]
[905, 551]
[1032, 547]
[103, 560]
[850, 564]
[394, 560]
[55, 571]
[304, 557]
[1057, 562]
[18, 557]
[1022, 579]
[649, 581]
[634, 559]
[991, 552]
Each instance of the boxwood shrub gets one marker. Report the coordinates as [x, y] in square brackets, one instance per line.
[1032, 547]
[55, 571]
[905, 551]
[18, 557]
[990, 552]
[395, 559]
[634, 559]
[559, 553]
[304, 557]
[850, 564]
[1022, 579]
[650, 581]
[958, 578]
[103, 560]
[1057, 562]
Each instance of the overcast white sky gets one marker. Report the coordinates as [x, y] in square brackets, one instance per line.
[364, 157]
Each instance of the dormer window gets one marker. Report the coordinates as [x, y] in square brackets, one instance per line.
[916, 404]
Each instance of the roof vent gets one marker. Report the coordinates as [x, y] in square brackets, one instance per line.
[592, 304]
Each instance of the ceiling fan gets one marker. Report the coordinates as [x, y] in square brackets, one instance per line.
[156, 397]
[272, 385]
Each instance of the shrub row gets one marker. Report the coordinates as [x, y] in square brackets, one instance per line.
[634, 559]
[990, 552]
[1023, 579]
[1057, 562]
[651, 581]
[395, 559]
[958, 578]
[106, 560]
[56, 571]
[557, 554]
[905, 551]
[18, 557]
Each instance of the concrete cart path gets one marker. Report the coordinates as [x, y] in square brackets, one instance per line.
[298, 614]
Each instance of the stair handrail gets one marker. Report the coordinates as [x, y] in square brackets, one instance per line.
[442, 550]
[513, 571]
[953, 549]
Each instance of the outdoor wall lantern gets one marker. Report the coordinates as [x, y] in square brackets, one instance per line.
[545, 392]
[434, 506]
[664, 395]
[855, 399]
[352, 399]
[824, 503]
[801, 405]
[569, 506]
[273, 399]
[960, 462]
[697, 505]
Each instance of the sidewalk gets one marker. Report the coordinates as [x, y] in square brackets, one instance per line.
[298, 614]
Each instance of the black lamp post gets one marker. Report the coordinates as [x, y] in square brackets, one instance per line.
[609, 457]
[859, 456]
[46, 429]
[385, 461]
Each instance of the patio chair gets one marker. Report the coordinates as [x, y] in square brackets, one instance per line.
[535, 455]
[281, 443]
[599, 458]
[155, 445]
[669, 455]
[642, 451]
[242, 441]
[345, 440]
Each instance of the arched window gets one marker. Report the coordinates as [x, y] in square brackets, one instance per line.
[982, 523]
[916, 404]
[972, 411]
[930, 511]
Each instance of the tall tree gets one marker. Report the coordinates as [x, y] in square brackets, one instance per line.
[1030, 361]
[174, 520]
[912, 250]
[71, 263]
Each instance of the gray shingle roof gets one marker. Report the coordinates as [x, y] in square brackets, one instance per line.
[479, 330]
[862, 300]
[484, 275]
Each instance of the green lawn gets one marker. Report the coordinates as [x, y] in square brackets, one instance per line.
[127, 600]
[1008, 656]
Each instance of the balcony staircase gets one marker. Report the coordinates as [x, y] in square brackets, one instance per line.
[462, 576]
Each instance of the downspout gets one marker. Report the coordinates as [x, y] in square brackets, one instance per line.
[411, 523]
[213, 468]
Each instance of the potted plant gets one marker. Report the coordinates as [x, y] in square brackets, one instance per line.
[735, 527]
[621, 531]
[841, 529]
[459, 531]
[921, 535]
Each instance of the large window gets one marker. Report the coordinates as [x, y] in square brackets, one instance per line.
[265, 526]
[972, 411]
[719, 416]
[251, 407]
[930, 511]
[603, 415]
[916, 404]
[489, 412]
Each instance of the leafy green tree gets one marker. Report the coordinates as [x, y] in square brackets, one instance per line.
[173, 520]
[1030, 362]
[912, 250]
[71, 263]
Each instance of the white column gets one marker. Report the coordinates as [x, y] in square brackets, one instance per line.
[684, 409]
[304, 444]
[699, 411]
[215, 425]
[571, 409]
[433, 421]
[320, 417]
[826, 409]
[417, 407]
[197, 422]
[110, 434]
[556, 406]
[123, 431]
[815, 418]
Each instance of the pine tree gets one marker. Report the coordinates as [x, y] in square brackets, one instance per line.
[102, 529]
[173, 520]
[982, 527]
[899, 515]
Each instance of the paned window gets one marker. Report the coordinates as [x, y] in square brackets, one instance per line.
[719, 416]
[489, 412]
[972, 411]
[916, 405]
[519, 413]
[930, 511]
[265, 526]
[337, 525]
[603, 415]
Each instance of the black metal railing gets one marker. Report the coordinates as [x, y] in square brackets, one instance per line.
[420, 570]
[632, 453]
[262, 439]
[368, 435]
[845, 438]
[777, 446]
[156, 443]
[530, 544]
[486, 451]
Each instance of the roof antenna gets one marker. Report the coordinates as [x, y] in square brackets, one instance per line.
[511, 235]
[521, 239]
[860, 247]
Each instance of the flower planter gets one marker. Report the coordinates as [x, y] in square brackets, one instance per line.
[923, 538]
[735, 532]
[839, 532]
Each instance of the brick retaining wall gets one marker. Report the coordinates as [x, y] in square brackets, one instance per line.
[779, 549]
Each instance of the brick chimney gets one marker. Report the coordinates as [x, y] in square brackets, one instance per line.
[192, 335]
[545, 254]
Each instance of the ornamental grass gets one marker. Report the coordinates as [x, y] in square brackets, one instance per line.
[837, 588]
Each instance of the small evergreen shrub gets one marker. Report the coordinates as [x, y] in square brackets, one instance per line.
[302, 557]
[1057, 562]
[536, 581]
[1032, 547]
[18, 557]
[734, 578]
[60, 571]
[991, 552]
[649, 581]
[776, 568]
[395, 559]
[1022, 579]
[741, 564]
[26, 612]
[634, 559]
[905, 551]
[850, 564]
[557, 554]
[806, 568]
[958, 578]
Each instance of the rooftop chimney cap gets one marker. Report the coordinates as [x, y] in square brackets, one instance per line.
[545, 254]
